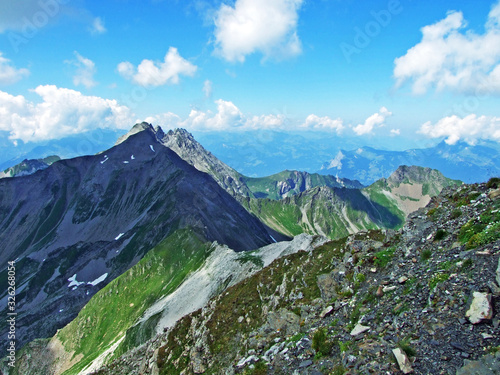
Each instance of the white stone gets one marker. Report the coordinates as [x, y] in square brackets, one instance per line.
[389, 288]
[498, 272]
[327, 311]
[480, 309]
[359, 329]
[402, 279]
[403, 361]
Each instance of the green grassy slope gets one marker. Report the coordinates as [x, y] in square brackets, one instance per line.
[114, 309]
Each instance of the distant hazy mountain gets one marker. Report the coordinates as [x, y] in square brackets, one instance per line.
[83, 144]
[460, 161]
[27, 167]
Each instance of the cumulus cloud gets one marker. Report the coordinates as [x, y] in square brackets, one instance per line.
[207, 88]
[470, 129]
[85, 70]
[98, 26]
[166, 120]
[60, 113]
[395, 132]
[227, 117]
[266, 26]
[323, 123]
[450, 56]
[150, 73]
[10, 74]
[376, 119]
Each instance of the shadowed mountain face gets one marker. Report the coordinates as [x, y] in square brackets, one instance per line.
[96, 216]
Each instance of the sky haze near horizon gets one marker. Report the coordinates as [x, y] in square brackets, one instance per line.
[400, 69]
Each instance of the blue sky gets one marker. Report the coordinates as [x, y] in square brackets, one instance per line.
[407, 70]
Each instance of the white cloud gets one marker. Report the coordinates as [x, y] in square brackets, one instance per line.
[61, 112]
[85, 70]
[470, 129]
[207, 88]
[227, 117]
[10, 74]
[266, 122]
[451, 57]
[98, 26]
[166, 120]
[376, 119]
[230, 118]
[395, 132]
[266, 26]
[323, 123]
[151, 73]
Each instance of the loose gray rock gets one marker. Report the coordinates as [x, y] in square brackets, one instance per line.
[487, 365]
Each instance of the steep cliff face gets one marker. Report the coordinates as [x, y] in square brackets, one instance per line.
[80, 223]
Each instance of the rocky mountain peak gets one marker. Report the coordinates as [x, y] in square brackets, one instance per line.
[139, 127]
[410, 173]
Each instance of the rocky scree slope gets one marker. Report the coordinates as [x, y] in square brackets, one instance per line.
[80, 223]
[420, 300]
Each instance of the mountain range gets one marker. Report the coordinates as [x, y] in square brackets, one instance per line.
[460, 161]
[124, 230]
[267, 152]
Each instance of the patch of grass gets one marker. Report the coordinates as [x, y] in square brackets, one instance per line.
[338, 370]
[320, 342]
[438, 278]
[260, 368]
[455, 214]
[481, 232]
[493, 183]
[440, 234]
[407, 348]
[467, 264]
[488, 235]
[345, 346]
[384, 257]
[432, 213]
[426, 255]
[297, 337]
[446, 265]
[246, 256]
[409, 285]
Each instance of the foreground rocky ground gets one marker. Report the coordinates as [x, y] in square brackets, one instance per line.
[422, 300]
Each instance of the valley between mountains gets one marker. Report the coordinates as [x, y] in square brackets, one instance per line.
[154, 257]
